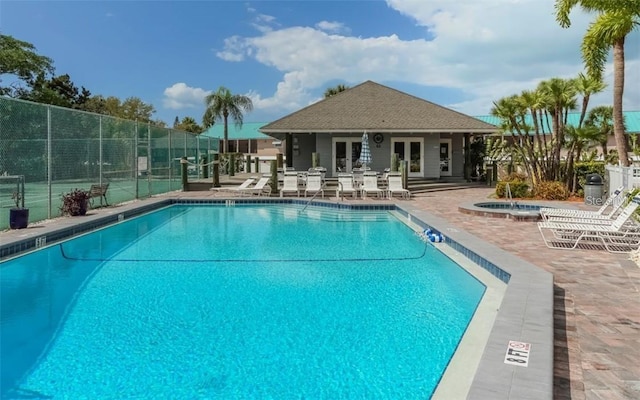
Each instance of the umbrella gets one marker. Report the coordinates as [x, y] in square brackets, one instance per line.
[365, 152]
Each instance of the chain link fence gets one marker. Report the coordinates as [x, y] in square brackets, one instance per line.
[58, 149]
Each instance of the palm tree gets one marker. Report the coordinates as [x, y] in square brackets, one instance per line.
[601, 117]
[222, 104]
[586, 86]
[560, 98]
[335, 90]
[614, 21]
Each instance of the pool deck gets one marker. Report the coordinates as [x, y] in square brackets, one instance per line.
[596, 294]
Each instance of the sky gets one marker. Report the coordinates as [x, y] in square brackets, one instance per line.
[462, 54]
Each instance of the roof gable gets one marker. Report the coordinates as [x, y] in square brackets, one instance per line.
[374, 107]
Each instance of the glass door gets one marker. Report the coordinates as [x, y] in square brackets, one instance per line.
[411, 150]
[445, 157]
[346, 154]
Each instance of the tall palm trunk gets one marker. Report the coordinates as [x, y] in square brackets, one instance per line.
[226, 133]
[618, 90]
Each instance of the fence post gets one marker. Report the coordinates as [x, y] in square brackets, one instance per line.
[249, 163]
[205, 167]
[232, 164]
[394, 162]
[274, 174]
[216, 170]
[183, 171]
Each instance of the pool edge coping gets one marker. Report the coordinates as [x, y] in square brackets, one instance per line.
[526, 312]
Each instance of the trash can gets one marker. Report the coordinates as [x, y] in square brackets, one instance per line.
[593, 190]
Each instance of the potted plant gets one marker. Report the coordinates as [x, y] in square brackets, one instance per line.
[75, 202]
[18, 216]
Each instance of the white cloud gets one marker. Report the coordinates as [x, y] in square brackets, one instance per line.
[179, 96]
[332, 26]
[484, 49]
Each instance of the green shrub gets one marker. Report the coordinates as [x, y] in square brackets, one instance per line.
[519, 189]
[551, 190]
[515, 177]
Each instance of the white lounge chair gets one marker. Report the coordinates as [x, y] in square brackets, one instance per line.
[314, 184]
[622, 235]
[237, 189]
[346, 186]
[608, 210]
[290, 184]
[262, 187]
[370, 185]
[394, 186]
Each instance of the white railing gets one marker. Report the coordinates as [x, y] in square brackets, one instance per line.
[629, 177]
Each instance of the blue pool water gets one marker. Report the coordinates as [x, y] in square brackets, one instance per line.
[234, 302]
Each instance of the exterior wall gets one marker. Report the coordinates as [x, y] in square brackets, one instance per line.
[259, 147]
[432, 155]
[381, 153]
[457, 155]
[302, 156]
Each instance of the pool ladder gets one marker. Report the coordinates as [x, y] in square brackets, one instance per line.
[324, 186]
[509, 197]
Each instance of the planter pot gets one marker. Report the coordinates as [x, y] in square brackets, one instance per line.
[18, 218]
[79, 209]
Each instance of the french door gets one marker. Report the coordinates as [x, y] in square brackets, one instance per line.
[445, 157]
[411, 150]
[346, 154]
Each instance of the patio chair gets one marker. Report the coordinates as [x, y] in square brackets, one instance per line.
[615, 201]
[290, 184]
[237, 189]
[314, 184]
[370, 185]
[394, 186]
[262, 187]
[346, 186]
[622, 235]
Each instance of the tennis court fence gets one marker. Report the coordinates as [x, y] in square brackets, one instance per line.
[58, 149]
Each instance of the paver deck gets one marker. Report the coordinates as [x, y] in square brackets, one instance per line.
[597, 301]
[597, 298]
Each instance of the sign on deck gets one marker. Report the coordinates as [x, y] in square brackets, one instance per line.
[517, 353]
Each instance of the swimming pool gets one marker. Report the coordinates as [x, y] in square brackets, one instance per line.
[278, 303]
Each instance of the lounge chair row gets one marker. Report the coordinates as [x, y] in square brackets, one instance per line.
[612, 226]
[347, 185]
[369, 186]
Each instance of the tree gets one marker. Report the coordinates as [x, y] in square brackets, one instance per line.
[601, 118]
[135, 109]
[222, 104]
[58, 91]
[332, 91]
[614, 21]
[527, 117]
[586, 86]
[19, 58]
[188, 124]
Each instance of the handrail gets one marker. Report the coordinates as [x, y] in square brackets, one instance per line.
[314, 196]
[509, 196]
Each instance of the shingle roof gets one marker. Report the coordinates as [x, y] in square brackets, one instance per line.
[631, 120]
[249, 130]
[374, 107]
